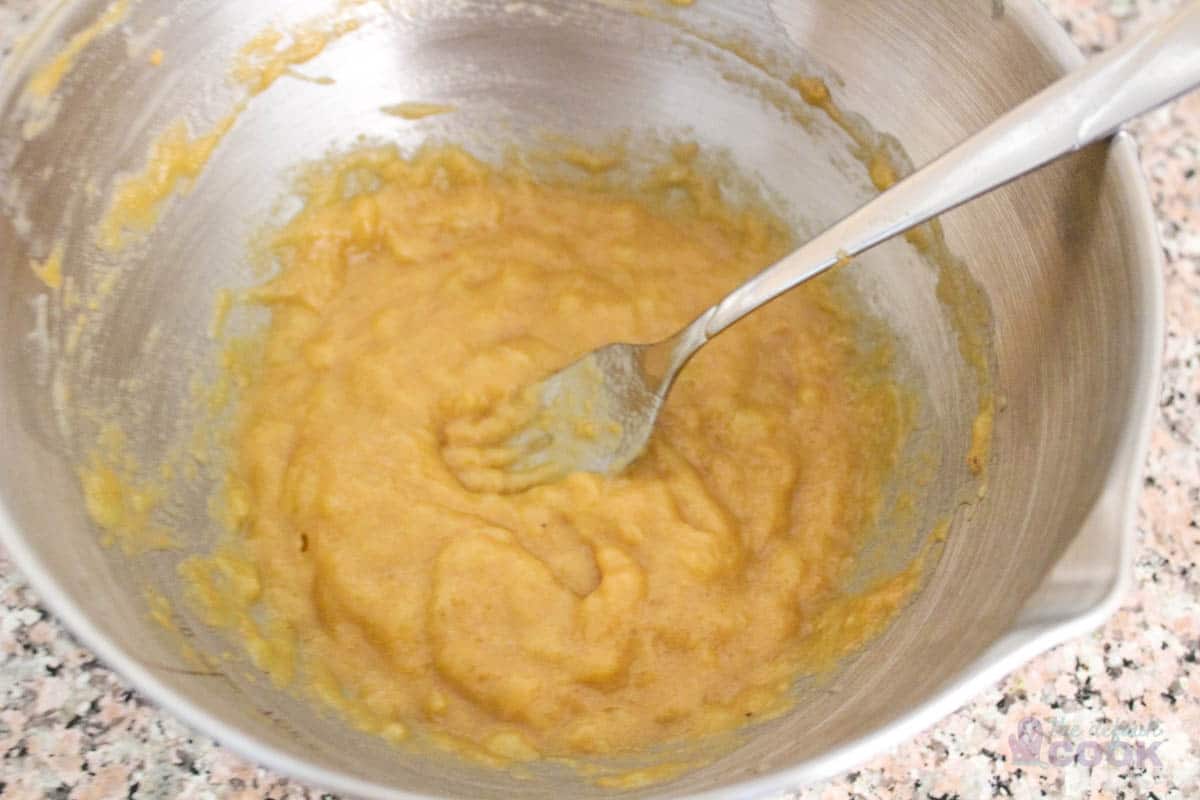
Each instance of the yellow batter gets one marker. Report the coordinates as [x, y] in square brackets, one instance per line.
[38, 98]
[590, 615]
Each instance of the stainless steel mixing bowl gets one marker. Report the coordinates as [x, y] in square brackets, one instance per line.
[1066, 258]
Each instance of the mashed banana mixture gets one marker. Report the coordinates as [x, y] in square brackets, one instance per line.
[589, 615]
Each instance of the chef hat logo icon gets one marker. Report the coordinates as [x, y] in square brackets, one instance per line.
[1026, 746]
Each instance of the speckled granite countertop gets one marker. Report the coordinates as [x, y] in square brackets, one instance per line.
[69, 728]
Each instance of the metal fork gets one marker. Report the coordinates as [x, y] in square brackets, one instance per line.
[597, 414]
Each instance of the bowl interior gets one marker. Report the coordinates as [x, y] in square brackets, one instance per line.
[1053, 256]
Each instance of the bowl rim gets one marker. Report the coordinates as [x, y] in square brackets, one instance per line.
[1121, 489]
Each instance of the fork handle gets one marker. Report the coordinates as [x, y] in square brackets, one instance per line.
[1149, 69]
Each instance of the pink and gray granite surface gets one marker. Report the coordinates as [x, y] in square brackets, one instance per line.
[70, 728]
